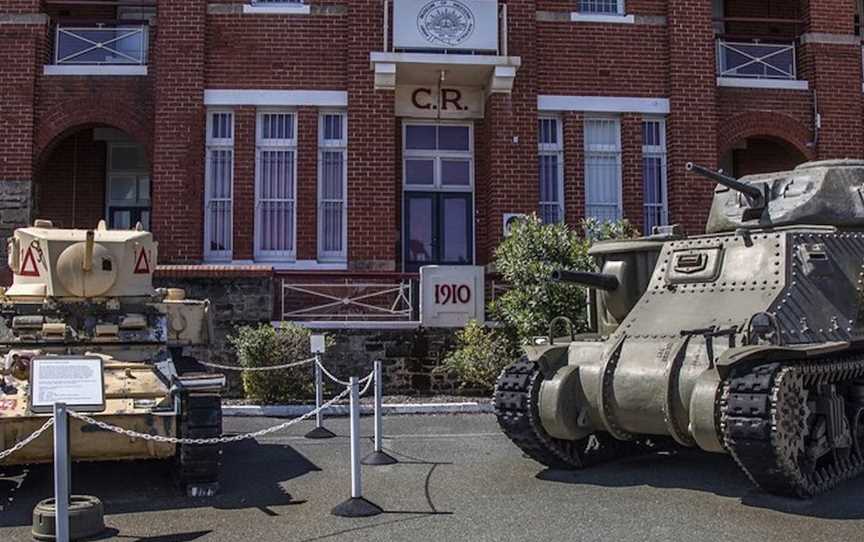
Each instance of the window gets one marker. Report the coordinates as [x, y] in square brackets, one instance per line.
[551, 153]
[603, 168]
[218, 186]
[438, 216]
[438, 156]
[654, 173]
[332, 186]
[128, 193]
[275, 185]
[603, 7]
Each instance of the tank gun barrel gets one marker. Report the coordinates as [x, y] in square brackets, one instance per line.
[751, 191]
[601, 281]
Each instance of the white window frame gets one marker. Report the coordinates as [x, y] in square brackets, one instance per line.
[330, 146]
[262, 144]
[554, 149]
[619, 12]
[604, 149]
[657, 151]
[218, 144]
[437, 156]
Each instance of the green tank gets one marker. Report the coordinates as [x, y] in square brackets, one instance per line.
[748, 340]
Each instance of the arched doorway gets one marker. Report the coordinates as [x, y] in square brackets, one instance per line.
[760, 154]
[91, 173]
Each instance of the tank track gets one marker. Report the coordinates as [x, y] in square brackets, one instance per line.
[199, 466]
[772, 430]
[515, 402]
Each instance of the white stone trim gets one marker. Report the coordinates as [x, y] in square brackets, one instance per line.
[603, 104]
[308, 265]
[743, 82]
[296, 9]
[280, 98]
[577, 17]
[95, 69]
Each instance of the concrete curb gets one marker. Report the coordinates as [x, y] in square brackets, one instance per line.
[292, 411]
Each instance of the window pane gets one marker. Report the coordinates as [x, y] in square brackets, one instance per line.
[420, 229]
[333, 128]
[277, 126]
[548, 132]
[122, 220]
[455, 227]
[456, 172]
[221, 126]
[128, 157]
[420, 172]
[420, 137]
[144, 189]
[603, 169]
[332, 174]
[122, 189]
[599, 6]
[454, 138]
[276, 201]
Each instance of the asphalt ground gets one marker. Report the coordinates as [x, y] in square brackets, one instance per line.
[458, 479]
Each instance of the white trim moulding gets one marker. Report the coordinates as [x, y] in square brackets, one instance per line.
[603, 104]
[742, 82]
[276, 10]
[319, 98]
[51, 69]
[577, 17]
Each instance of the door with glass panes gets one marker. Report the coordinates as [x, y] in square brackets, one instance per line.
[128, 190]
[438, 209]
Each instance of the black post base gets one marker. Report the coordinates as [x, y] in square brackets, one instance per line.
[379, 458]
[320, 432]
[356, 507]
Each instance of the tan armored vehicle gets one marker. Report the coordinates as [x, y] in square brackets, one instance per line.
[748, 340]
[90, 293]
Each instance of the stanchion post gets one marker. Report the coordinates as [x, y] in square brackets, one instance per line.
[320, 432]
[357, 505]
[61, 472]
[378, 455]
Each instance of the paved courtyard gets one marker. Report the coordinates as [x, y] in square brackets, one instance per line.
[459, 479]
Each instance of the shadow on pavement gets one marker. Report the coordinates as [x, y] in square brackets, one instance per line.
[252, 477]
[713, 473]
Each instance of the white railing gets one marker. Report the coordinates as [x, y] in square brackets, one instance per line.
[348, 300]
[502, 30]
[756, 60]
[101, 44]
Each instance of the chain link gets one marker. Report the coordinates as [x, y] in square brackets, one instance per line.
[204, 441]
[256, 369]
[36, 434]
[367, 378]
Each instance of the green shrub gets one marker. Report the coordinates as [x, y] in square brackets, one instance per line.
[264, 345]
[479, 357]
[526, 260]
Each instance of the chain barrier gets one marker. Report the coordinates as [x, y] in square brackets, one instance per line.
[36, 434]
[257, 369]
[204, 441]
[367, 378]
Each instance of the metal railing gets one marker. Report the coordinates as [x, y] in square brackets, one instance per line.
[348, 300]
[102, 44]
[756, 60]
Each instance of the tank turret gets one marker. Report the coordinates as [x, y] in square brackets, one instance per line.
[816, 193]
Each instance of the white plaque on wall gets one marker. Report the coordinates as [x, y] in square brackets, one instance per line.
[75, 381]
[445, 24]
[451, 295]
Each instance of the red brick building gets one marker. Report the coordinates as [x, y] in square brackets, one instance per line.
[345, 136]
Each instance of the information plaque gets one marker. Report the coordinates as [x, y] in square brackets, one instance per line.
[74, 381]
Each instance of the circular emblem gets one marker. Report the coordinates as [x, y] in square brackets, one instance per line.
[447, 22]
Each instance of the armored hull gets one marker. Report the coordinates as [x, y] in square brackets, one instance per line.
[747, 341]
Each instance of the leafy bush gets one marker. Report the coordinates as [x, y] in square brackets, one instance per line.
[264, 345]
[526, 260]
[479, 357]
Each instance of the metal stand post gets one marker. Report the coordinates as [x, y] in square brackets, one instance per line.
[356, 506]
[320, 431]
[378, 455]
[61, 471]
